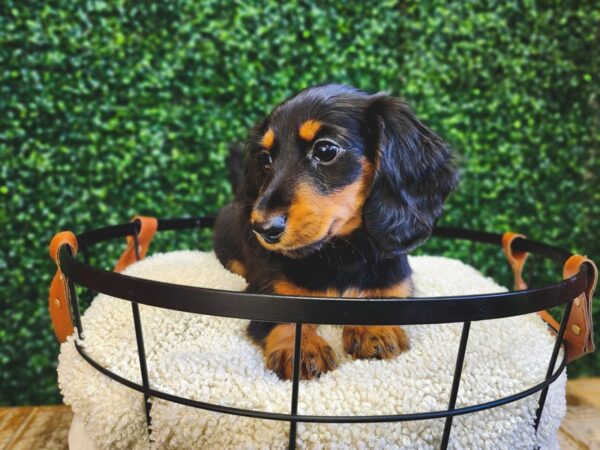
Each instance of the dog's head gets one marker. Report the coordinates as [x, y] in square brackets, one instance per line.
[333, 159]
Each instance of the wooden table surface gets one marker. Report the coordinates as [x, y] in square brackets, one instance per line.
[35, 427]
[47, 427]
[581, 427]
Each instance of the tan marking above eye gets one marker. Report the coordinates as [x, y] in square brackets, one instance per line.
[309, 129]
[268, 139]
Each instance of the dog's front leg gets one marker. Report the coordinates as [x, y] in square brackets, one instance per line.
[380, 342]
[278, 339]
[316, 356]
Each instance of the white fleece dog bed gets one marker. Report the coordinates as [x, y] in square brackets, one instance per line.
[211, 359]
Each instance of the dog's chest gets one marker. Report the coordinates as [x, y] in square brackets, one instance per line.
[387, 278]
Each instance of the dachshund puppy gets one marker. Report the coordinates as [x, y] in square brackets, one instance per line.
[338, 186]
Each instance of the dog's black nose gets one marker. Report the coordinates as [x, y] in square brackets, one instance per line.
[271, 229]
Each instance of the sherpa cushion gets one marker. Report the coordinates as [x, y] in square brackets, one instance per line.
[211, 359]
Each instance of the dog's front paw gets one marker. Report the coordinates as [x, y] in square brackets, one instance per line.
[316, 355]
[380, 342]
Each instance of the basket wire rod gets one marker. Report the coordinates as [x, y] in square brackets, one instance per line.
[295, 384]
[460, 358]
[74, 304]
[325, 419]
[139, 337]
[553, 357]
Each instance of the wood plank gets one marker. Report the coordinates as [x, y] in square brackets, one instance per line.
[580, 429]
[567, 442]
[11, 421]
[25, 428]
[584, 391]
[581, 426]
[44, 427]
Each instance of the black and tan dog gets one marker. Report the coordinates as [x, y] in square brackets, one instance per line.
[337, 187]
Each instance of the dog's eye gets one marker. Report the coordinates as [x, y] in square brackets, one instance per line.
[325, 151]
[264, 159]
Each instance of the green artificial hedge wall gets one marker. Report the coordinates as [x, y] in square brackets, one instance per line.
[113, 108]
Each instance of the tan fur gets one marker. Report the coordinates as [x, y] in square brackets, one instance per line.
[402, 289]
[309, 129]
[380, 342]
[316, 355]
[268, 139]
[285, 287]
[237, 267]
[257, 216]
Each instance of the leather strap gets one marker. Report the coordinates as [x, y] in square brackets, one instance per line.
[551, 321]
[579, 334]
[148, 226]
[58, 299]
[516, 260]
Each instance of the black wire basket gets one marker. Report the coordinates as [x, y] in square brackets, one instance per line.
[314, 310]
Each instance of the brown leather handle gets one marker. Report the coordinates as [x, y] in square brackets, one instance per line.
[148, 226]
[579, 333]
[58, 299]
[516, 260]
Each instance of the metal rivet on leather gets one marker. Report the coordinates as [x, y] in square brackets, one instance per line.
[576, 329]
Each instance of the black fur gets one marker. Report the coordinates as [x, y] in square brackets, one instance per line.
[414, 174]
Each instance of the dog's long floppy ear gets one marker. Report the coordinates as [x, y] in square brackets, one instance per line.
[414, 175]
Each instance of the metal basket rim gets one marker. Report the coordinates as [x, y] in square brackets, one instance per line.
[321, 310]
